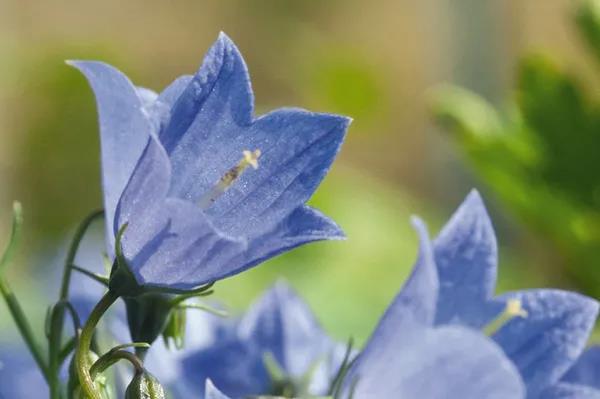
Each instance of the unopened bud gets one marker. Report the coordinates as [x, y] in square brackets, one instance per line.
[144, 386]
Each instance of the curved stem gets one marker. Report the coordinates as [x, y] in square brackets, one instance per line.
[111, 358]
[85, 340]
[55, 339]
[79, 233]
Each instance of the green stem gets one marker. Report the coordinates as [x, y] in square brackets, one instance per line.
[55, 339]
[9, 297]
[79, 233]
[67, 349]
[111, 358]
[23, 325]
[85, 340]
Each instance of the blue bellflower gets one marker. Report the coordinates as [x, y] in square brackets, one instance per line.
[543, 345]
[279, 331]
[205, 189]
[407, 356]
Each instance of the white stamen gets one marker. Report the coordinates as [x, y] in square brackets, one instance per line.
[250, 159]
[513, 309]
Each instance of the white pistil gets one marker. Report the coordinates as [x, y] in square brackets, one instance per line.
[250, 159]
[513, 309]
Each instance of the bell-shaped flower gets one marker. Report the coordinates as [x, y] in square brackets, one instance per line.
[408, 357]
[276, 348]
[543, 345]
[205, 189]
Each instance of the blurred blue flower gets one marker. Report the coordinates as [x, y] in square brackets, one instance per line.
[172, 172]
[408, 357]
[279, 331]
[543, 345]
[19, 375]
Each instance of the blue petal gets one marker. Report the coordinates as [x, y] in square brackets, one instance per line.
[173, 92]
[212, 392]
[298, 148]
[146, 96]
[219, 91]
[466, 257]
[234, 366]
[302, 226]
[570, 391]
[168, 242]
[586, 371]
[124, 130]
[545, 344]
[449, 362]
[280, 322]
[160, 109]
[211, 125]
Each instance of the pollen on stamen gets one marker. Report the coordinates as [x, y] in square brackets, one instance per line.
[250, 158]
[513, 308]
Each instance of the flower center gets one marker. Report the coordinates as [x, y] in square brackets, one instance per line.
[513, 309]
[250, 159]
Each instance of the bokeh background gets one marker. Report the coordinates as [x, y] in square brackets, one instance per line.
[415, 147]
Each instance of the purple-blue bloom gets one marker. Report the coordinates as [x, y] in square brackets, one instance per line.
[543, 345]
[279, 326]
[173, 170]
[403, 357]
[408, 357]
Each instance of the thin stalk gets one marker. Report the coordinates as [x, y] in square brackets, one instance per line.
[112, 357]
[85, 340]
[79, 233]
[23, 325]
[14, 307]
[55, 339]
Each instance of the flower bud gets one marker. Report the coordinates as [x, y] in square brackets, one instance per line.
[144, 386]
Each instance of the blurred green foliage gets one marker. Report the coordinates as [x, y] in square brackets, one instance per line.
[59, 148]
[542, 156]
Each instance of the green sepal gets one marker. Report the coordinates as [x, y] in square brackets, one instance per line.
[147, 316]
[174, 332]
[122, 281]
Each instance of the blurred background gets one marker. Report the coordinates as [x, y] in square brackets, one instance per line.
[445, 96]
